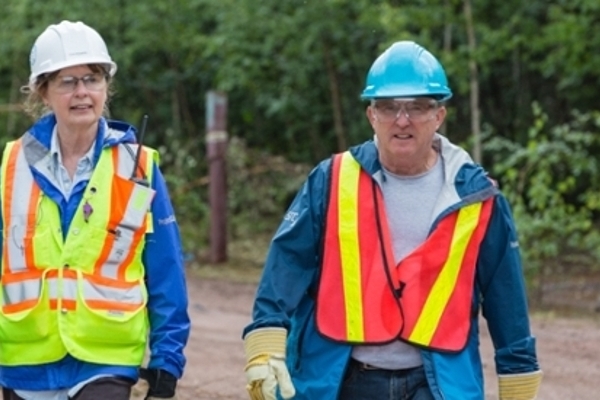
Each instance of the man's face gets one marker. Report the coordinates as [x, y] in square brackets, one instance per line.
[405, 128]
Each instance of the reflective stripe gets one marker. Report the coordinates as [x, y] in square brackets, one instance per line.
[123, 235]
[442, 289]
[349, 246]
[20, 294]
[19, 221]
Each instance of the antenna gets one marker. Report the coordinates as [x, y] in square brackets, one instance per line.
[139, 151]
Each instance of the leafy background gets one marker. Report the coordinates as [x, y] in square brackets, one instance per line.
[293, 71]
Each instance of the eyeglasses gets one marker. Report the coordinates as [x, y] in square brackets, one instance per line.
[389, 110]
[67, 84]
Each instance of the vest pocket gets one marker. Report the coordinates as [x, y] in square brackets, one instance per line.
[25, 315]
[112, 316]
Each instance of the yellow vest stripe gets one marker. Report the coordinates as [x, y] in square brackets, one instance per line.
[443, 287]
[349, 246]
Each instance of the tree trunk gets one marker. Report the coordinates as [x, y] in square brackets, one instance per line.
[447, 40]
[474, 82]
[336, 103]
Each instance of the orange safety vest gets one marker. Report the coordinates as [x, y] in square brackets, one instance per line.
[83, 294]
[364, 298]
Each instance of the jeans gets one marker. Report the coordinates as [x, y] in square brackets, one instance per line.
[362, 383]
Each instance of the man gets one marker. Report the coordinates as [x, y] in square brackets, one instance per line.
[375, 278]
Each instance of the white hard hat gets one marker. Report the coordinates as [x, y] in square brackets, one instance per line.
[65, 45]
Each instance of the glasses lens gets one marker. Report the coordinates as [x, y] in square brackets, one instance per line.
[94, 82]
[387, 111]
[68, 84]
[416, 111]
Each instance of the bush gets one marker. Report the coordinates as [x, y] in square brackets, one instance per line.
[553, 184]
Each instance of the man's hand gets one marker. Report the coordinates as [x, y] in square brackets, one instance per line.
[161, 384]
[266, 369]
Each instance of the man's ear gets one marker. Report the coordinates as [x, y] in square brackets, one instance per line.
[440, 116]
[370, 115]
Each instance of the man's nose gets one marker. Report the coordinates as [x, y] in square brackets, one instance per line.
[402, 118]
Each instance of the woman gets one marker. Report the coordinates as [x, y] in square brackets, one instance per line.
[92, 271]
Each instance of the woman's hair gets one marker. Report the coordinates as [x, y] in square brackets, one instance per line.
[34, 104]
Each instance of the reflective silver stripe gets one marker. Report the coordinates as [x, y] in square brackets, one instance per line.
[30, 289]
[134, 216]
[126, 163]
[137, 207]
[15, 233]
[18, 292]
[96, 291]
[69, 289]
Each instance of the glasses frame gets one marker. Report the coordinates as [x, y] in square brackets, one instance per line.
[68, 83]
[404, 101]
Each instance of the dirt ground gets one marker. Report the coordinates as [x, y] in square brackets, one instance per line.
[568, 347]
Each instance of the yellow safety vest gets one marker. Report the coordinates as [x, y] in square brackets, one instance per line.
[85, 294]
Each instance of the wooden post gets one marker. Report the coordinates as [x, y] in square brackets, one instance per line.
[216, 148]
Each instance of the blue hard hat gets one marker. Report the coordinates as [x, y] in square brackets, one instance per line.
[406, 69]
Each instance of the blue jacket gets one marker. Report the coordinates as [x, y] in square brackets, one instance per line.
[163, 262]
[286, 293]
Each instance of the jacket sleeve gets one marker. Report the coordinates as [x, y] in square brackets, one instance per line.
[503, 294]
[165, 279]
[292, 264]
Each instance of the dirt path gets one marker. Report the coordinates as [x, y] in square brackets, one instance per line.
[568, 349]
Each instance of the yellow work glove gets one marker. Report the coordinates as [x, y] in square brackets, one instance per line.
[265, 368]
[519, 386]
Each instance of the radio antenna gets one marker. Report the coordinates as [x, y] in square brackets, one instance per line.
[139, 149]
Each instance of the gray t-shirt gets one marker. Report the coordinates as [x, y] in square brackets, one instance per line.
[409, 204]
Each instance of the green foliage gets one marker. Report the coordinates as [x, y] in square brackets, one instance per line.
[281, 63]
[293, 71]
[553, 183]
[260, 187]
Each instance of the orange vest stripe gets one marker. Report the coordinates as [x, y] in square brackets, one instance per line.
[121, 192]
[8, 182]
[17, 307]
[375, 265]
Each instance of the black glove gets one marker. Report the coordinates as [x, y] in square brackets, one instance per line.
[161, 384]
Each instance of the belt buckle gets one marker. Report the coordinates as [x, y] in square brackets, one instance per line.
[364, 366]
[369, 367]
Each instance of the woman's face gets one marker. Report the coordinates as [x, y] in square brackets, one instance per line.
[77, 96]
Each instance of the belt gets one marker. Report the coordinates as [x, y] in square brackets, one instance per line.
[368, 367]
